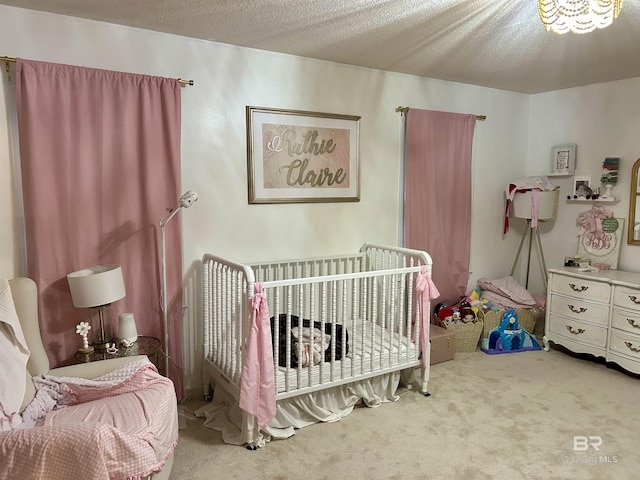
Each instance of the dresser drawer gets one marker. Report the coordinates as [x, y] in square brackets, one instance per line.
[578, 331]
[625, 343]
[627, 320]
[627, 298]
[580, 310]
[580, 288]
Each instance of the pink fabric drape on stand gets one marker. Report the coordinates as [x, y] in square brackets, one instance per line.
[427, 291]
[100, 156]
[258, 387]
[437, 215]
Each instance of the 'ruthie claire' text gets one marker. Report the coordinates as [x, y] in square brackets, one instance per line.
[298, 171]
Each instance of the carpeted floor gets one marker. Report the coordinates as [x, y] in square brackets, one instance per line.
[513, 416]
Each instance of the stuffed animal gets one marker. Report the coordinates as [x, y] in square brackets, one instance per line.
[466, 312]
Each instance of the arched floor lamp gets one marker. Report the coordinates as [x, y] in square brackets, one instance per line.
[186, 200]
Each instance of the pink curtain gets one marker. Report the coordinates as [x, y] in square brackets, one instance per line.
[437, 215]
[100, 156]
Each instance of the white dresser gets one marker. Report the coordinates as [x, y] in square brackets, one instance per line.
[596, 313]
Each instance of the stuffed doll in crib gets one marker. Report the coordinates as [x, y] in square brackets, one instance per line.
[508, 337]
[310, 339]
[312, 343]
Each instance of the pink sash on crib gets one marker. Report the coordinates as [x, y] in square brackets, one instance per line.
[427, 290]
[257, 386]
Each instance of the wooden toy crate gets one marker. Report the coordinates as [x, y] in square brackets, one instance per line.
[443, 344]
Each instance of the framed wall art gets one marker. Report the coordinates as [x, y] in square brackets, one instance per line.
[603, 247]
[295, 156]
[563, 160]
[581, 186]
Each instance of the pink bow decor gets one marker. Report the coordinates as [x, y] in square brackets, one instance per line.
[427, 290]
[257, 386]
[591, 221]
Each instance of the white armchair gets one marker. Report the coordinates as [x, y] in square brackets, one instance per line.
[143, 432]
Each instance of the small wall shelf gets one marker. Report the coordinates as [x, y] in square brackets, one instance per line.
[558, 174]
[589, 200]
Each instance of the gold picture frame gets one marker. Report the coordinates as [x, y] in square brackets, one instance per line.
[295, 156]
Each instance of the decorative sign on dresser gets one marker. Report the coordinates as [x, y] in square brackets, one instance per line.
[596, 313]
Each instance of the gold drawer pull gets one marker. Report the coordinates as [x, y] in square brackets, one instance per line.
[634, 299]
[633, 323]
[630, 347]
[577, 310]
[576, 289]
[575, 332]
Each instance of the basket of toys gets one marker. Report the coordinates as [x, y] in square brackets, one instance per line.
[465, 322]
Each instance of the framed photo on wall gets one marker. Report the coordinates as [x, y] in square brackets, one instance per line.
[563, 160]
[581, 186]
[295, 156]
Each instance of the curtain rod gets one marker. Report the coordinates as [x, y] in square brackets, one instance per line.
[12, 59]
[406, 109]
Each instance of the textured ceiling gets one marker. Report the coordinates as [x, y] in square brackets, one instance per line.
[493, 43]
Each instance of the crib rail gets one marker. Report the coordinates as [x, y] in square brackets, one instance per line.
[309, 267]
[227, 289]
[380, 257]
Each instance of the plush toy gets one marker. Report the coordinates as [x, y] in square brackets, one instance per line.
[489, 305]
[438, 307]
[478, 303]
[466, 312]
[447, 312]
[475, 294]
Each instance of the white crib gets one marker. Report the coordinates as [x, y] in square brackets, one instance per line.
[368, 308]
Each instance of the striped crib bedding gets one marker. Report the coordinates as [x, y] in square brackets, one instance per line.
[376, 351]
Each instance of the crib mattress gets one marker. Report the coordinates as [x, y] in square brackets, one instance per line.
[370, 352]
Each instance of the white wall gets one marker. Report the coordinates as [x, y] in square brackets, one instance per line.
[603, 121]
[227, 78]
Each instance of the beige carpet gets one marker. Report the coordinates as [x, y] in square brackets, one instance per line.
[509, 416]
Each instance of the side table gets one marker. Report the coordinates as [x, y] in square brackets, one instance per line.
[149, 346]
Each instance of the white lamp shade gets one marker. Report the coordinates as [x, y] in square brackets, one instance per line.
[96, 286]
[523, 204]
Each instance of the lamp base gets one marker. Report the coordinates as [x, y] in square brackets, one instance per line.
[89, 349]
[102, 340]
[102, 344]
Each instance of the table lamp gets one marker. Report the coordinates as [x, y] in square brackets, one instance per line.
[97, 287]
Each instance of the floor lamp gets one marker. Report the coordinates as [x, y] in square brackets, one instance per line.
[547, 210]
[186, 200]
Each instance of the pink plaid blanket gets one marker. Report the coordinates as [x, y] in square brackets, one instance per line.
[118, 430]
